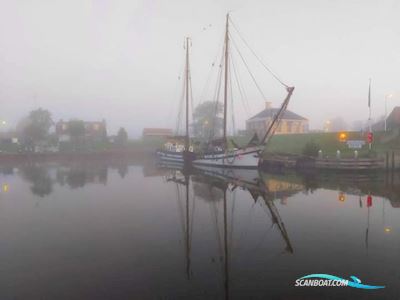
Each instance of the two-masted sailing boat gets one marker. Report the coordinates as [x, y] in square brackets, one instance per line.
[249, 155]
[173, 151]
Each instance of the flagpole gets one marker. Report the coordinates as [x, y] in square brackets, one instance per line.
[369, 106]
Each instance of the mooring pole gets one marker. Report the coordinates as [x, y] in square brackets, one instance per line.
[393, 161]
[387, 161]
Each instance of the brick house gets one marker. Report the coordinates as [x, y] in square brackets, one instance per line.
[96, 130]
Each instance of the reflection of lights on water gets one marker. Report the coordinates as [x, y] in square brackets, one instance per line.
[342, 197]
[387, 229]
[369, 201]
[5, 188]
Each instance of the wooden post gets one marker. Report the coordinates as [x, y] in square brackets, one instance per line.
[387, 161]
[392, 161]
[392, 173]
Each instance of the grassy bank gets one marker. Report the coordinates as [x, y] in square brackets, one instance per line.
[279, 144]
[329, 143]
[294, 144]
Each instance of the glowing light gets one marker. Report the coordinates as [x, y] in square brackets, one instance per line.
[343, 136]
[342, 197]
[327, 126]
[5, 188]
[387, 229]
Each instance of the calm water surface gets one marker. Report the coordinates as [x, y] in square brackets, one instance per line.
[120, 231]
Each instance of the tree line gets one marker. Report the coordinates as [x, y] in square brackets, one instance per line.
[35, 129]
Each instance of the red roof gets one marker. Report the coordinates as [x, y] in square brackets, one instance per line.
[157, 132]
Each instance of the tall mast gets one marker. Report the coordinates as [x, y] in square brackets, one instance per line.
[226, 77]
[187, 95]
[369, 108]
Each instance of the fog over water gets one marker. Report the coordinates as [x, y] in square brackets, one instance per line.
[120, 60]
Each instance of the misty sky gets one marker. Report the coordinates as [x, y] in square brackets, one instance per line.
[121, 60]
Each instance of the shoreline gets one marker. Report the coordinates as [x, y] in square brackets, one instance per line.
[75, 156]
[273, 162]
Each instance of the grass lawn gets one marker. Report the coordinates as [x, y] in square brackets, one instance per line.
[329, 143]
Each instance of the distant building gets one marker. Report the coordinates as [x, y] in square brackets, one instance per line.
[335, 125]
[327, 126]
[157, 132]
[93, 130]
[9, 137]
[9, 142]
[291, 123]
[392, 122]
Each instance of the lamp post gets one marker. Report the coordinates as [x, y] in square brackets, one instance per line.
[3, 124]
[386, 97]
[327, 126]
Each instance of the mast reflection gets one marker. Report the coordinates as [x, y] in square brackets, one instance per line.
[182, 179]
[214, 186]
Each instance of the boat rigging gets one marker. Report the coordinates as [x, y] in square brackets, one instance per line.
[173, 151]
[248, 156]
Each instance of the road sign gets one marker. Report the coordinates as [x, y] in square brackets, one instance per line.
[355, 144]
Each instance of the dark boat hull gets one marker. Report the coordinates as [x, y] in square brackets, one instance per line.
[180, 157]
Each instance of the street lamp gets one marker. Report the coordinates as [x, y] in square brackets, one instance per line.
[327, 126]
[386, 97]
[3, 125]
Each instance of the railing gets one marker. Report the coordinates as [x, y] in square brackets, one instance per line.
[349, 163]
[303, 162]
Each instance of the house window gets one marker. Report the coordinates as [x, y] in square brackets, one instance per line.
[289, 126]
[294, 127]
[298, 127]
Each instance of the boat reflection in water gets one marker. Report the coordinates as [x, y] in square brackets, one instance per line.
[127, 230]
[218, 185]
